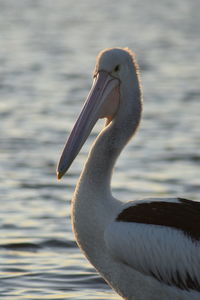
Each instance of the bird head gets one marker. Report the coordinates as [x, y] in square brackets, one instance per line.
[103, 101]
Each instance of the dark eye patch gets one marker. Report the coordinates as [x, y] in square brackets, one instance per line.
[117, 68]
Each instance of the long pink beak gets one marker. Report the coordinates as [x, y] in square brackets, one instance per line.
[102, 87]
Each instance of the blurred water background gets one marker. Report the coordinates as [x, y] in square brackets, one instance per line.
[47, 55]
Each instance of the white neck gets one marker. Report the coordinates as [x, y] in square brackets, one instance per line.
[112, 139]
[93, 206]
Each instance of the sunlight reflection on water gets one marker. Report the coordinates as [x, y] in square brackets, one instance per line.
[47, 56]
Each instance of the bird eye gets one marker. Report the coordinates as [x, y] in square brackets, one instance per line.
[116, 69]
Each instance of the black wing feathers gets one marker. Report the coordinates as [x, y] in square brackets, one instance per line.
[184, 215]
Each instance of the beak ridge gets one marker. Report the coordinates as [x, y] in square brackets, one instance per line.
[103, 85]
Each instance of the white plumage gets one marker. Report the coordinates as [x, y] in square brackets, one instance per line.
[147, 249]
[153, 249]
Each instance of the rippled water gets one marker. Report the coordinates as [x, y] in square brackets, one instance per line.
[47, 54]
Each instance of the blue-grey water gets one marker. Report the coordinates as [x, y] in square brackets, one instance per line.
[47, 55]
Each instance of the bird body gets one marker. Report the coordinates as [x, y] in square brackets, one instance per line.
[145, 249]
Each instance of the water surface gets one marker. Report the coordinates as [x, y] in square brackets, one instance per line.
[47, 55]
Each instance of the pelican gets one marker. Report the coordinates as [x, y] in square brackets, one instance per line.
[145, 249]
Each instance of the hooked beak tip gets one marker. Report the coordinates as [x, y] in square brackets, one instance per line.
[59, 175]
